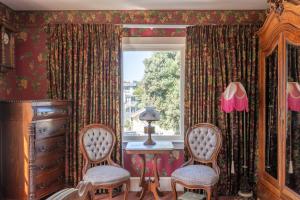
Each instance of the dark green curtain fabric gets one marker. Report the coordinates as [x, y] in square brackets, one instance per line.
[215, 56]
[84, 66]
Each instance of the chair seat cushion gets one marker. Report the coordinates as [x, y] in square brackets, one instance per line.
[196, 175]
[101, 175]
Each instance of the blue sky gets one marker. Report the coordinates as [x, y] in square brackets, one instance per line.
[133, 66]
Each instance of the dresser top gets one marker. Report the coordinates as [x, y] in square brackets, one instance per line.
[38, 102]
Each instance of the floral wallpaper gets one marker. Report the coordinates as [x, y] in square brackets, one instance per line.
[7, 15]
[191, 17]
[31, 57]
[29, 80]
[166, 163]
[31, 52]
[154, 32]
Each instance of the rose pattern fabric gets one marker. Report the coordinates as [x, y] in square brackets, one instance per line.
[166, 163]
[215, 56]
[84, 65]
[29, 80]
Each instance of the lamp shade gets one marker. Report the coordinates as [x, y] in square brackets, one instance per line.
[234, 98]
[150, 114]
[293, 89]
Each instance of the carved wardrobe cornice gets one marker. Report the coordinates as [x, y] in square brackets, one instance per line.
[278, 5]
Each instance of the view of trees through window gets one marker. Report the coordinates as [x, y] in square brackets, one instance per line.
[151, 78]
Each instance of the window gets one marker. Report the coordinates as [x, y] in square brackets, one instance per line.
[152, 76]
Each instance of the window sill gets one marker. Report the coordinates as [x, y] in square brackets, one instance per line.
[177, 141]
[172, 138]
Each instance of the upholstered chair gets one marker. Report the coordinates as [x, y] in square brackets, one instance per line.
[201, 171]
[83, 191]
[96, 144]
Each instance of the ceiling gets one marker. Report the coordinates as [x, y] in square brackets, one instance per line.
[136, 4]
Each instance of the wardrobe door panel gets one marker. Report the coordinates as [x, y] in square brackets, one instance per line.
[271, 113]
[292, 151]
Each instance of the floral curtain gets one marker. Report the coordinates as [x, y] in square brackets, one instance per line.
[215, 56]
[84, 66]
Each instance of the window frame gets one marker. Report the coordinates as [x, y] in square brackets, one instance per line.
[156, 44]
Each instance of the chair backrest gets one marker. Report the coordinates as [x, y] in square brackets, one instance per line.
[96, 142]
[204, 142]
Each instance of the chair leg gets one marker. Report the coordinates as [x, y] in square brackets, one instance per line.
[110, 194]
[208, 194]
[173, 184]
[127, 187]
[91, 194]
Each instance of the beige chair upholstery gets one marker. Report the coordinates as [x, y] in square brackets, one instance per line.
[106, 175]
[203, 142]
[96, 144]
[196, 175]
[82, 192]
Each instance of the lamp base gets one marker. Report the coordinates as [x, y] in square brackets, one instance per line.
[149, 129]
[149, 141]
[245, 195]
[245, 188]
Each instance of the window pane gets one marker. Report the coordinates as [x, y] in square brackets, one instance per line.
[151, 78]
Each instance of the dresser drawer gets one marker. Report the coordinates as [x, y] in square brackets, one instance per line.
[49, 163]
[50, 127]
[44, 112]
[49, 147]
[49, 183]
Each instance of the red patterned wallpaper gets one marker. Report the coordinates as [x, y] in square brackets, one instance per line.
[166, 163]
[38, 18]
[29, 80]
[31, 50]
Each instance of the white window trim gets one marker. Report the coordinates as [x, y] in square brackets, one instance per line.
[154, 44]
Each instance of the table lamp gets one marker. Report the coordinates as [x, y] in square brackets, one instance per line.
[149, 115]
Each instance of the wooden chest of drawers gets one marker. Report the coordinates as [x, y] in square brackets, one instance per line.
[33, 148]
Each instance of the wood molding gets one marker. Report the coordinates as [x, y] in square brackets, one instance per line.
[276, 24]
[276, 6]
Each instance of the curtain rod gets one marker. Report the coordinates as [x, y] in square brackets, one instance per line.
[180, 25]
[158, 26]
[155, 25]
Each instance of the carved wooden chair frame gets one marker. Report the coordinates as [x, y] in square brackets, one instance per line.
[83, 191]
[106, 158]
[212, 161]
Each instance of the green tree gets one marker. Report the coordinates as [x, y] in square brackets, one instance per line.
[128, 124]
[160, 87]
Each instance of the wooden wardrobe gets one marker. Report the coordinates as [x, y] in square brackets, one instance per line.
[279, 113]
[33, 148]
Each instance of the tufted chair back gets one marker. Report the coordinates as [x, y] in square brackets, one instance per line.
[96, 142]
[204, 142]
